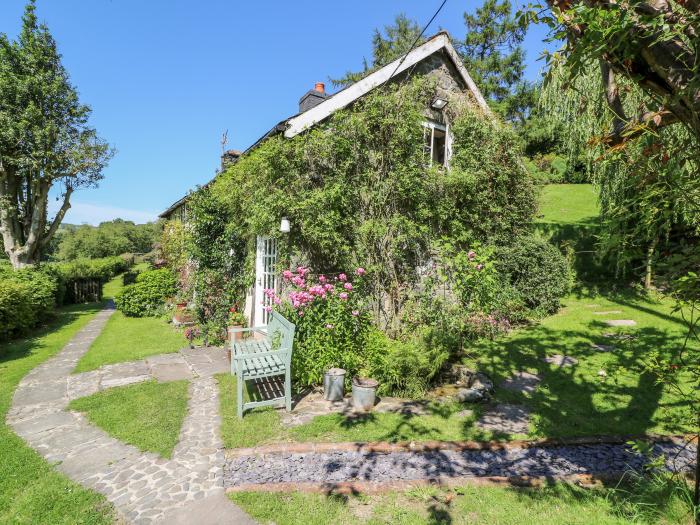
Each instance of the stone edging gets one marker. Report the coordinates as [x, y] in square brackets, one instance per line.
[370, 487]
[457, 446]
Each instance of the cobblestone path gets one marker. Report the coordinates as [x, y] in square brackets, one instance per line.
[143, 487]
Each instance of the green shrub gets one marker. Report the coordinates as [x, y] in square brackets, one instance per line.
[26, 297]
[538, 271]
[16, 313]
[406, 368]
[146, 297]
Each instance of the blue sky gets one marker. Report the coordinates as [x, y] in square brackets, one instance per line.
[166, 78]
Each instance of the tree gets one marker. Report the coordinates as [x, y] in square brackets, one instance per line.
[494, 57]
[396, 40]
[45, 140]
[653, 43]
[109, 238]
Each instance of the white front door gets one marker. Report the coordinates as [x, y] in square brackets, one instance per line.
[265, 277]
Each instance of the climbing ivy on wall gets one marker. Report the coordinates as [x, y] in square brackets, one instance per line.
[359, 191]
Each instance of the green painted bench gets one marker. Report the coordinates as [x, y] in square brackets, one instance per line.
[260, 357]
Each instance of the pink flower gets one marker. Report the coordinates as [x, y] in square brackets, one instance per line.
[277, 300]
[347, 286]
[343, 296]
[355, 313]
[299, 281]
[479, 266]
[329, 326]
[287, 275]
[342, 277]
[360, 271]
[268, 309]
[328, 287]
[301, 270]
[471, 254]
[321, 278]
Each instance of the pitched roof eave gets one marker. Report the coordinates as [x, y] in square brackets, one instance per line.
[347, 96]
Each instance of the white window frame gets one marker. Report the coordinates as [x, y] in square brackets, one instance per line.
[266, 256]
[431, 126]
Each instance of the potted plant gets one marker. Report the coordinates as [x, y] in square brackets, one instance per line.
[182, 315]
[236, 319]
[364, 393]
[192, 332]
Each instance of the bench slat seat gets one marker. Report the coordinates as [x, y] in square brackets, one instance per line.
[259, 358]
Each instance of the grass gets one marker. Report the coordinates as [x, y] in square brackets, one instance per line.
[568, 204]
[130, 339]
[553, 504]
[577, 401]
[31, 491]
[113, 287]
[147, 415]
[263, 426]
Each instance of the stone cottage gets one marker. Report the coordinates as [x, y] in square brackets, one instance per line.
[436, 58]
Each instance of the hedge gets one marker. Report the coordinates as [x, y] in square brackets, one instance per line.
[146, 297]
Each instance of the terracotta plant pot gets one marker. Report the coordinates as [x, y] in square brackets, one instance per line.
[234, 336]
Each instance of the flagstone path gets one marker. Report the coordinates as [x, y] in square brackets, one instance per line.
[143, 487]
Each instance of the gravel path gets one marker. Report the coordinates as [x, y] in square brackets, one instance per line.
[348, 466]
[143, 487]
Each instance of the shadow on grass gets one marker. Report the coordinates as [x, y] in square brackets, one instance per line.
[22, 346]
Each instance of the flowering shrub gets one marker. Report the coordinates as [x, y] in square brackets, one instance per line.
[331, 322]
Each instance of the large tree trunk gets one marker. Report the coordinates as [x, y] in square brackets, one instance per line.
[25, 235]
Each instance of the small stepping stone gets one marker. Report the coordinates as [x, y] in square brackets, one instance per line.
[522, 382]
[603, 348]
[561, 360]
[609, 312]
[618, 336]
[620, 322]
[507, 419]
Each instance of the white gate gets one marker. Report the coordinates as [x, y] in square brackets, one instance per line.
[265, 277]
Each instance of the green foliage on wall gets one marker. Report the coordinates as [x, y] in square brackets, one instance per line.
[360, 190]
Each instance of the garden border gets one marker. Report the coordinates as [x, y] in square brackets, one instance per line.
[382, 447]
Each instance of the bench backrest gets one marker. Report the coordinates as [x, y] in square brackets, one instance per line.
[280, 333]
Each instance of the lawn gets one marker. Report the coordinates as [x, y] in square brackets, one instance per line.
[31, 491]
[554, 504]
[607, 392]
[147, 415]
[130, 339]
[263, 426]
[568, 204]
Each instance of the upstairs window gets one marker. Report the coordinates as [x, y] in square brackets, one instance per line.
[437, 147]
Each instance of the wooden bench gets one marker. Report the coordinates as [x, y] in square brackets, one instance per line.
[268, 354]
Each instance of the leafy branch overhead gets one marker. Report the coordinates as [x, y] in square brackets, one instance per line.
[653, 43]
[46, 142]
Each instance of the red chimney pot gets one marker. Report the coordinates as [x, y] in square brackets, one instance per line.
[320, 87]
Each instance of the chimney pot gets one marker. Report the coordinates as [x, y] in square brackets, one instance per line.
[320, 87]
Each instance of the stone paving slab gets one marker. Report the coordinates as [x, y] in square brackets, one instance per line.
[170, 371]
[561, 361]
[506, 419]
[522, 382]
[143, 487]
[620, 322]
